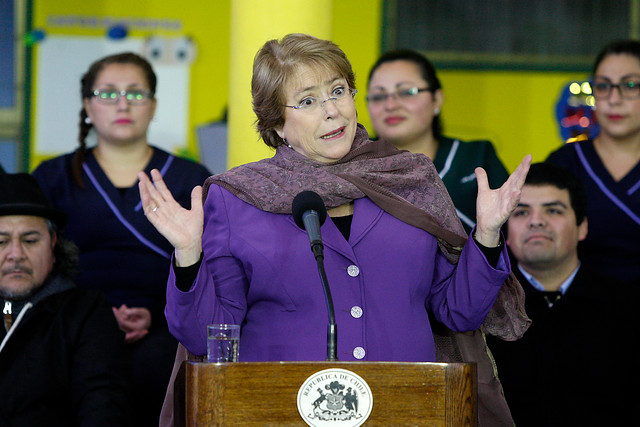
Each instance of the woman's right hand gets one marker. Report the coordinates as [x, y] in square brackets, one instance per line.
[135, 322]
[181, 227]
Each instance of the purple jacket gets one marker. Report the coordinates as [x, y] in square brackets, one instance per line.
[258, 271]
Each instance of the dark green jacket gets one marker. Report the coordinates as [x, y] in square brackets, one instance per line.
[456, 162]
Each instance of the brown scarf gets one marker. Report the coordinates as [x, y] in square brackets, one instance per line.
[403, 184]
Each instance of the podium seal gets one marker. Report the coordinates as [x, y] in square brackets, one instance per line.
[335, 397]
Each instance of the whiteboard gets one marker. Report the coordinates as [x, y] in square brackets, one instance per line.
[61, 62]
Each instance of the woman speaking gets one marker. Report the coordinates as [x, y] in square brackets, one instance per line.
[394, 248]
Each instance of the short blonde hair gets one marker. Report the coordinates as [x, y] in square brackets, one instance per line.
[274, 66]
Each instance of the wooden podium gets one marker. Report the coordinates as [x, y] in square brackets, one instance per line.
[265, 393]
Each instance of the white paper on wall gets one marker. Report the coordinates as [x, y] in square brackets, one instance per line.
[61, 61]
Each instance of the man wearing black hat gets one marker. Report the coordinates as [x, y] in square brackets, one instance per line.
[61, 355]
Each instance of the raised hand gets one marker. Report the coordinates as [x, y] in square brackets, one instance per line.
[180, 226]
[493, 207]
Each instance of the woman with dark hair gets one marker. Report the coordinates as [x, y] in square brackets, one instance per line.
[394, 249]
[609, 165]
[121, 254]
[405, 99]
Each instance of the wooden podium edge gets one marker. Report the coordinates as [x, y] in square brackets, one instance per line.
[208, 383]
[462, 400]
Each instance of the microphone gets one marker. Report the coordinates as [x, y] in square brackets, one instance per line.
[309, 213]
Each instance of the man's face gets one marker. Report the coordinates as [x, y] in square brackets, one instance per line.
[26, 255]
[543, 232]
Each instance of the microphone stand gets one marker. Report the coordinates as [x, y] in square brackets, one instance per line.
[309, 213]
[332, 328]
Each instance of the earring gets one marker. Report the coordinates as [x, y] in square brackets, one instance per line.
[87, 120]
[286, 143]
[436, 111]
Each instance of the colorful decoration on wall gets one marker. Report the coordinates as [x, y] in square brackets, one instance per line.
[575, 112]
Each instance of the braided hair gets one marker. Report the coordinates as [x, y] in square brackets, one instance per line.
[86, 90]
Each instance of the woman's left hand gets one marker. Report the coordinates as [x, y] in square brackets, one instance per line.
[493, 207]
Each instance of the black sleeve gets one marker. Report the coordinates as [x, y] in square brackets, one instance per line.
[491, 254]
[185, 276]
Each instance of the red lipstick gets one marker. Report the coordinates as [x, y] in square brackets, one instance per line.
[394, 120]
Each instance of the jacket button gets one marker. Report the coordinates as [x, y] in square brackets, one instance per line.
[356, 312]
[358, 353]
[353, 270]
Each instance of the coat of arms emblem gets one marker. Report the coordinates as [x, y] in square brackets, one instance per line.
[335, 397]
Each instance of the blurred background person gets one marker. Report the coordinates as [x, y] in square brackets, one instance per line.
[609, 165]
[558, 373]
[395, 250]
[62, 356]
[405, 100]
[121, 254]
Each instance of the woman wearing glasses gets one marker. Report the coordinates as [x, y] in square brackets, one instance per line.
[405, 99]
[609, 165]
[121, 254]
[394, 249]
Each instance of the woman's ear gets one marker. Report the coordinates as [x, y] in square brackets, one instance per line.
[87, 108]
[280, 131]
[438, 100]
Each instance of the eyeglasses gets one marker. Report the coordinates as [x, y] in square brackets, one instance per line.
[311, 103]
[400, 94]
[628, 89]
[133, 96]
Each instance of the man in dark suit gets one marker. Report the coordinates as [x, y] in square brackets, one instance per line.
[561, 372]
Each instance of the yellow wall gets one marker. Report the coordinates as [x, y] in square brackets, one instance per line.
[252, 25]
[513, 109]
[357, 30]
